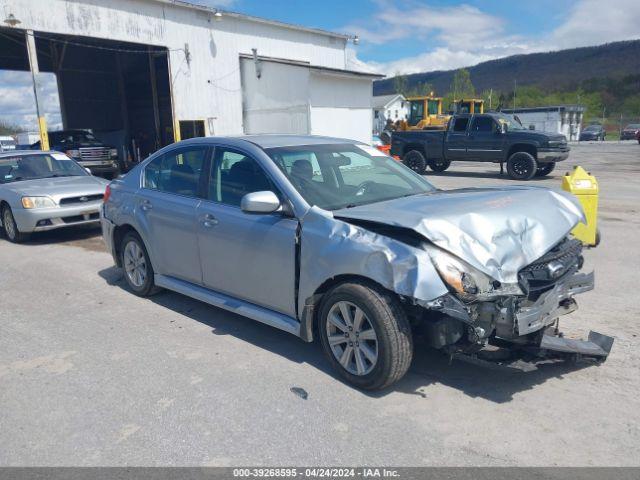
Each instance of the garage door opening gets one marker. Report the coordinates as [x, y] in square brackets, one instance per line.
[119, 91]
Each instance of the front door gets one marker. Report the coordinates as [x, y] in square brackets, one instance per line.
[485, 141]
[166, 210]
[248, 256]
[456, 139]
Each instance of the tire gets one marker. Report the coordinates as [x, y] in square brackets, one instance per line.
[138, 271]
[439, 165]
[386, 359]
[545, 169]
[522, 166]
[10, 227]
[415, 161]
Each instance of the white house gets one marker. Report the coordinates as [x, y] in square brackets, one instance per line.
[563, 119]
[394, 107]
[148, 72]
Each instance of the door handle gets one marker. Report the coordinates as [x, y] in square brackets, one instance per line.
[146, 205]
[209, 221]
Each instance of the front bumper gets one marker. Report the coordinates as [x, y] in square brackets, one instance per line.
[546, 155]
[101, 167]
[552, 304]
[41, 219]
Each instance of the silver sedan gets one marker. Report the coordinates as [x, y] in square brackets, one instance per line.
[332, 239]
[45, 190]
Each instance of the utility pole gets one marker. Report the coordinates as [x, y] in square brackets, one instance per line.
[490, 97]
[35, 73]
[515, 87]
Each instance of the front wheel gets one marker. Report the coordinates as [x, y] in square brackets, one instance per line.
[10, 227]
[138, 272]
[545, 169]
[365, 335]
[522, 166]
[439, 165]
[415, 161]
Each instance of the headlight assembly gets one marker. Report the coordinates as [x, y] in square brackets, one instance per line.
[37, 202]
[468, 282]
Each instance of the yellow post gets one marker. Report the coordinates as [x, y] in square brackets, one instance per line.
[585, 187]
[44, 135]
[176, 131]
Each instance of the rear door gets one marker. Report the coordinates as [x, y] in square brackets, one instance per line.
[455, 144]
[173, 187]
[484, 142]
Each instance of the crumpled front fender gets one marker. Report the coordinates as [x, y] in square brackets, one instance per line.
[331, 247]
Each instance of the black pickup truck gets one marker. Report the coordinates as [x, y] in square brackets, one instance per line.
[489, 137]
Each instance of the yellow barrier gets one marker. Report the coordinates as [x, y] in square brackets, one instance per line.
[585, 187]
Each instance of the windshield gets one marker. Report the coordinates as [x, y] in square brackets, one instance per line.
[72, 136]
[43, 165]
[632, 126]
[510, 121]
[592, 128]
[346, 175]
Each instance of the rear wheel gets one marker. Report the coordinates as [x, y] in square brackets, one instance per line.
[522, 166]
[138, 272]
[365, 335]
[415, 161]
[10, 227]
[439, 165]
[545, 169]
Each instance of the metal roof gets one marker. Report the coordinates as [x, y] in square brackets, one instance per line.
[276, 23]
[318, 68]
[380, 101]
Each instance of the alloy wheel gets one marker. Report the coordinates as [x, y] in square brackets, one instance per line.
[352, 338]
[9, 226]
[135, 264]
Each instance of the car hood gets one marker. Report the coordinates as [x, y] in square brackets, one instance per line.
[497, 230]
[59, 187]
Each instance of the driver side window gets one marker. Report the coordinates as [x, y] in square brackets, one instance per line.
[234, 175]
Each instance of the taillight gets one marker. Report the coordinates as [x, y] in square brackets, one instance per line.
[107, 194]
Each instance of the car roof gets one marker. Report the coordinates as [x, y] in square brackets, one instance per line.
[13, 153]
[272, 140]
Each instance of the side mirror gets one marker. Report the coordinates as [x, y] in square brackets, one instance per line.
[88, 170]
[503, 128]
[260, 202]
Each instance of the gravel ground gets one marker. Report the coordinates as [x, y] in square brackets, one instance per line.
[92, 375]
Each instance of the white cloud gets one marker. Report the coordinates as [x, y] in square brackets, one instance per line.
[17, 103]
[467, 36]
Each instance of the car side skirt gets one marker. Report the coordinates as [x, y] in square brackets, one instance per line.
[232, 304]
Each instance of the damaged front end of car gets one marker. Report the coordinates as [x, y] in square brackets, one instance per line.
[484, 273]
[487, 320]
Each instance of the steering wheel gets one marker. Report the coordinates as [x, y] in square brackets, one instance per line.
[363, 187]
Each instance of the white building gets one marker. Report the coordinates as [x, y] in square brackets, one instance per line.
[563, 119]
[152, 71]
[394, 107]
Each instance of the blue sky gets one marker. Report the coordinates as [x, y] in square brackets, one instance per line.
[406, 36]
[409, 36]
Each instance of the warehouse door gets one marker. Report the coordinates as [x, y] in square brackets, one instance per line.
[275, 97]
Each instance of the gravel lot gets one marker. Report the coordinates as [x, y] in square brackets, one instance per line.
[92, 375]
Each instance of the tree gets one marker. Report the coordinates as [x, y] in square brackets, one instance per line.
[8, 129]
[400, 83]
[461, 87]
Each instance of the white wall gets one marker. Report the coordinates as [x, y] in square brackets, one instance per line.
[206, 86]
[341, 106]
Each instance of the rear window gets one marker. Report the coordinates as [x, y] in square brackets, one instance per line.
[460, 124]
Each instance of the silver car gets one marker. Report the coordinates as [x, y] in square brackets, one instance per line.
[45, 190]
[332, 239]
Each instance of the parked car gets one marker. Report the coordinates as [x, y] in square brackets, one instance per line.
[326, 238]
[44, 191]
[490, 137]
[7, 143]
[593, 132]
[86, 149]
[630, 132]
